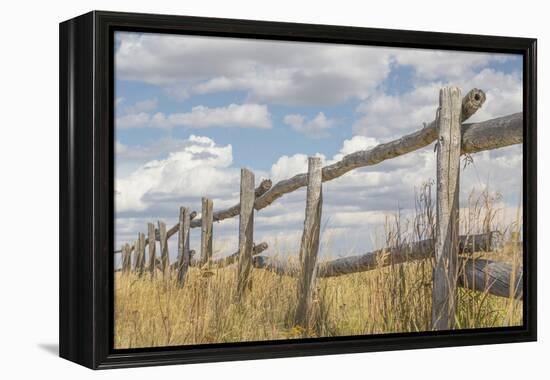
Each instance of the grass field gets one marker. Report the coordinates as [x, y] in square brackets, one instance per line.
[391, 299]
[156, 312]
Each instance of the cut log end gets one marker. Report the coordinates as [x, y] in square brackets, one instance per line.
[259, 248]
[472, 102]
[264, 186]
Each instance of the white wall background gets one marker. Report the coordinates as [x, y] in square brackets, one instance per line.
[29, 191]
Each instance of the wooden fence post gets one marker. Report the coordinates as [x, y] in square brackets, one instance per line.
[448, 176]
[165, 260]
[136, 255]
[246, 231]
[152, 247]
[126, 258]
[183, 244]
[141, 254]
[310, 242]
[206, 230]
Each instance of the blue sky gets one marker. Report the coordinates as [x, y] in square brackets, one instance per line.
[191, 111]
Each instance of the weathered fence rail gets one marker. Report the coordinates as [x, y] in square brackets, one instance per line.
[379, 258]
[496, 276]
[452, 266]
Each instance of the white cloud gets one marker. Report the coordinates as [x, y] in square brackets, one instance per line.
[356, 218]
[356, 204]
[504, 93]
[234, 115]
[120, 148]
[290, 73]
[356, 143]
[391, 116]
[138, 120]
[142, 106]
[270, 71]
[437, 64]
[315, 128]
[288, 166]
[201, 168]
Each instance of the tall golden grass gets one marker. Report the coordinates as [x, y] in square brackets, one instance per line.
[156, 312]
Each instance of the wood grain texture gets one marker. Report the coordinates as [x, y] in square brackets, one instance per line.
[164, 257]
[206, 230]
[152, 249]
[471, 103]
[380, 258]
[476, 137]
[246, 232]
[447, 209]
[126, 258]
[492, 134]
[493, 277]
[85, 213]
[232, 211]
[184, 257]
[496, 278]
[175, 228]
[309, 246]
[141, 254]
[423, 249]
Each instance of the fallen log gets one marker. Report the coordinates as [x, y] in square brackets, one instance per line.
[492, 277]
[497, 280]
[396, 255]
[476, 274]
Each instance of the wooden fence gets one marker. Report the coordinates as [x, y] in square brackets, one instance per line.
[453, 267]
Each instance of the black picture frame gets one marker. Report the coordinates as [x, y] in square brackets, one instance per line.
[86, 188]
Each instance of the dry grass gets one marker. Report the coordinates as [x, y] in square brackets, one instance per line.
[391, 299]
[397, 298]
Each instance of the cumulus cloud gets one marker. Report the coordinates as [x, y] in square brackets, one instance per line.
[234, 115]
[504, 93]
[437, 64]
[315, 128]
[391, 116]
[355, 204]
[169, 172]
[288, 166]
[356, 143]
[290, 73]
[200, 168]
[270, 71]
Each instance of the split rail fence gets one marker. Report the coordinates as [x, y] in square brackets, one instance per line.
[451, 270]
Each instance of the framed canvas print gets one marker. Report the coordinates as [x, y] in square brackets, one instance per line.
[238, 189]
